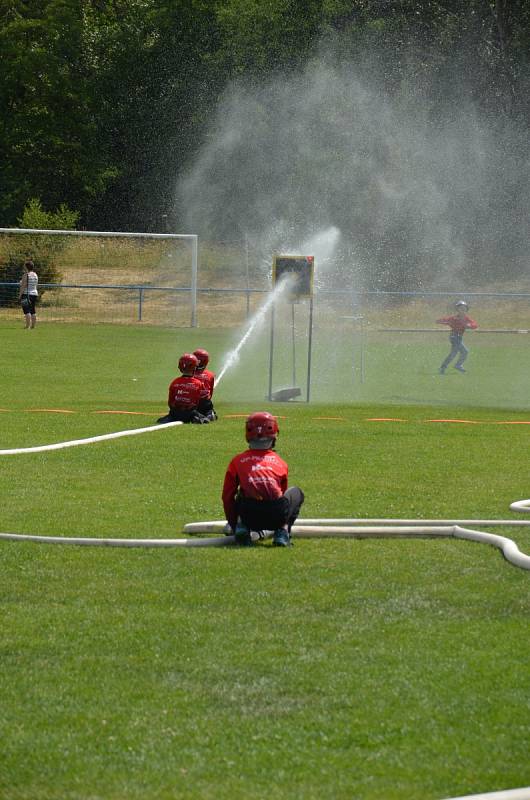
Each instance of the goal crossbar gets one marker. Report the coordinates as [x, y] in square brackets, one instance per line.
[191, 237]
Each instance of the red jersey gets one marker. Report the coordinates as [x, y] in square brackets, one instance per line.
[184, 392]
[458, 324]
[207, 379]
[260, 474]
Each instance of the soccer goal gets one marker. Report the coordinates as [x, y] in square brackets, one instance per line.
[104, 276]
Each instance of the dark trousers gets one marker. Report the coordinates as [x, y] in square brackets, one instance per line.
[28, 302]
[205, 405]
[269, 515]
[458, 348]
[206, 408]
[182, 415]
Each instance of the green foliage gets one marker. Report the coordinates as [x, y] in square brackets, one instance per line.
[47, 139]
[259, 39]
[10, 272]
[42, 250]
[107, 103]
[35, 216]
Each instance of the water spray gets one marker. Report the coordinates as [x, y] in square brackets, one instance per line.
[233, 357]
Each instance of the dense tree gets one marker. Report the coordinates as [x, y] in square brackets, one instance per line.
[48, 129]
[104, 103]
[154, 87]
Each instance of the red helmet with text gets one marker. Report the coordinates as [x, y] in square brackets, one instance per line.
[202, 356]
[188, 363]
[261, 425]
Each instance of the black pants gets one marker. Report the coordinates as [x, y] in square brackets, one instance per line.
[28, 302]
[206, 408]
[268, 515]
[182, 415]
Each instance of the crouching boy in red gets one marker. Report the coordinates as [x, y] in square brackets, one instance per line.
[184, 394]
[255, 493]
[207, 379]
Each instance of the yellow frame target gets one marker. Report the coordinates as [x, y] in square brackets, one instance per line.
[302, 267]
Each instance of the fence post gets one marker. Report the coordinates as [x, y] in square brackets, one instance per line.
[194, 275]
[140, 301]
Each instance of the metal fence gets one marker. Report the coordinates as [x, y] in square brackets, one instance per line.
[367, 346]
[129, 303]
[377, 311]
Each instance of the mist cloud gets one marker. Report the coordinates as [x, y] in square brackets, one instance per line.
[423, 193]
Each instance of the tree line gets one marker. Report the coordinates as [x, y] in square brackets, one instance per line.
[106, 102]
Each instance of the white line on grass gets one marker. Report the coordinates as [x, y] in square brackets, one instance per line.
[218, 541]
[507, 794]
[520, 505]
[75, 442]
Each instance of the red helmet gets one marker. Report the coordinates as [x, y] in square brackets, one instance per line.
[261, 425]
[203, 357]
[188, 363]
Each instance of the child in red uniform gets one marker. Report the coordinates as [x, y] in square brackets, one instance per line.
[208, 379]
[184, 394]
[458, 324]
[255, 493]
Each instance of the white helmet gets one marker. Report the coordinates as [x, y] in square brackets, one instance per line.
[461, 304]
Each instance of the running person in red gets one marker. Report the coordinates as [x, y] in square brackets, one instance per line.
[255, 493]
[184, 394]
[208, 380]
[458, 323]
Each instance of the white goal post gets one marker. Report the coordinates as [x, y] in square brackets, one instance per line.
[193, 239]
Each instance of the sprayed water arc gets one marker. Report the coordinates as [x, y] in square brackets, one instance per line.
[232, 358]
[322, 246]
[424, 190]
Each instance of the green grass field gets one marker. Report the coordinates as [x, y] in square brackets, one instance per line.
[373, 670]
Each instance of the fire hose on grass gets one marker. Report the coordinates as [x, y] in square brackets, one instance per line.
[304, 529]
[321, 529]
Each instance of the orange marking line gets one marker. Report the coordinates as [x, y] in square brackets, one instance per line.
[134, 413]
[278, 416]
[385, 419]
[462, 421]
[53, 410]
[511, 422]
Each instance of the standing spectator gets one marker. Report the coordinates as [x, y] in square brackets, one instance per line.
[458, 324]
[255, 494]
[184, 394]
[207, 379]
[28, 294]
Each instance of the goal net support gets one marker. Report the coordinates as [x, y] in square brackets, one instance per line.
[111, 276]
